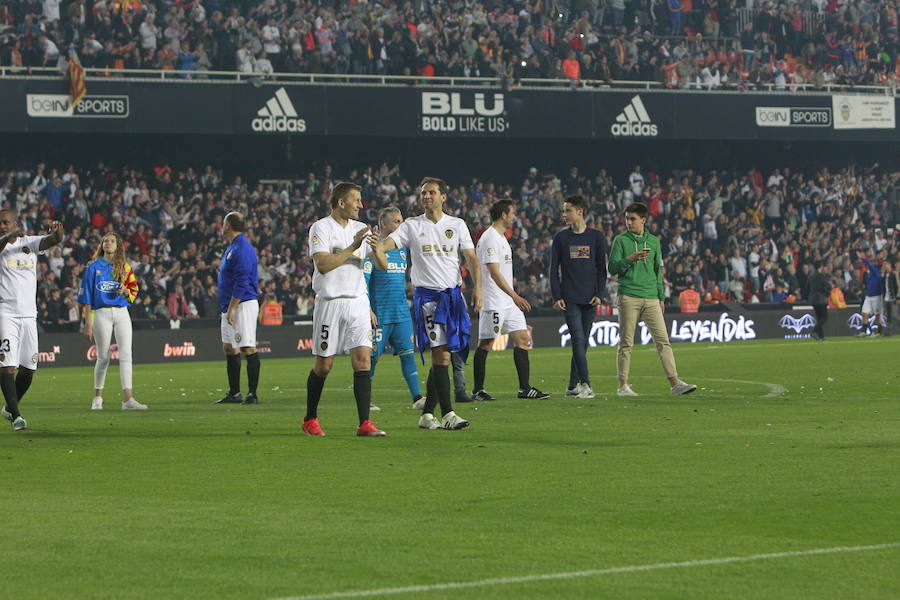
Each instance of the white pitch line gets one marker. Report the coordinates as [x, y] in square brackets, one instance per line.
[591, 573]
[774, 388]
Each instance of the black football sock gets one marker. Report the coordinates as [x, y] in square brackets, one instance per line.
[441, 376]
[523, 367]
[23, 382]
[8, 384]
[314, 385]
[362, 391]
[431, 396]
[480, 368]
[233, 363]
[253, 372]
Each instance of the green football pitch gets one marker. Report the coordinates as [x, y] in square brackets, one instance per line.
[778, 478]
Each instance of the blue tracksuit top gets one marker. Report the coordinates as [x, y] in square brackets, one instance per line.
[238, 276]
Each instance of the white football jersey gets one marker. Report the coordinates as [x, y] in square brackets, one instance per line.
[434, 249]
[18, 277]
[493, 248]
[346, 281]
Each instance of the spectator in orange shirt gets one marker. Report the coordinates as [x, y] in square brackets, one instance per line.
[689, 299]
[572, 69]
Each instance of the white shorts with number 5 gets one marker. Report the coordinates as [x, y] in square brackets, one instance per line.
[341, 324]
[18, 342]
[493, 323]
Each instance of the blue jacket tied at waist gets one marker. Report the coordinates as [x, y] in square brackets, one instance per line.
[450, 311]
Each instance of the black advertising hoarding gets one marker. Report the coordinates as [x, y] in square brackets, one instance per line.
[273, 108]
[289, 341]
[116, 107]
[800, 117]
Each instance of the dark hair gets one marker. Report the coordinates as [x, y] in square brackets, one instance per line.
[442, 185]
[638, 209]
[341, 191]
[13, 212]
[499, 208]
[236, 221]
[577, 201]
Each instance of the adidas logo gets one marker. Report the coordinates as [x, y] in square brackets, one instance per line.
[278, 115]
[634, 121]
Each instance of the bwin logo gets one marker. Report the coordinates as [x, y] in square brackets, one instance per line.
[634, 121]
[798, 325]
[278, 115]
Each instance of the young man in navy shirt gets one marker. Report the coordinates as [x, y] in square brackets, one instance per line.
[577, 283]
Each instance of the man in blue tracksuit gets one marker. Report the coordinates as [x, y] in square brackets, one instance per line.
[239, 304]
[577, 284]
[873, 305]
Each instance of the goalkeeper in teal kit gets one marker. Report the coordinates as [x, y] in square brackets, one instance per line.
[387, 297]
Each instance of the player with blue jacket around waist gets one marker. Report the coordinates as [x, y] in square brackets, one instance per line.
[387, 298]
[108, 288]
[239, 304]
[441, 321]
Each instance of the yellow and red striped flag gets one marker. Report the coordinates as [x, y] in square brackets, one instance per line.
[77, 85]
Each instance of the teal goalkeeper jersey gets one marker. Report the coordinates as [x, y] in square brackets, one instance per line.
[387, 289]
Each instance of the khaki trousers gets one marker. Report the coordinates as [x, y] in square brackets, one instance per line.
[631, 312]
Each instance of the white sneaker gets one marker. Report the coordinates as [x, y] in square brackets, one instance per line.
[97, 403]
[454, 421]
[625, 390]
[585, 391]
[681, 388]
[428, 421]
[132, 404]
[19, 424]
[5, 414]
[573, 392]
[419, 404]
[373, 408]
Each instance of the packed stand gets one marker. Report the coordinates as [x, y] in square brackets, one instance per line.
[678, 43]
[747, 237]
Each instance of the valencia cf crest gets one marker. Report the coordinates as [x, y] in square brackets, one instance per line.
[237, 337]
[26, 250]
[496, 329]
[324, 346]
[34, 358]
[448, 233]
[433, 336]
[2, 357]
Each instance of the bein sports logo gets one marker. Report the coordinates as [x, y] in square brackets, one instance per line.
[60, 105]
[797, 325]
[725, 329]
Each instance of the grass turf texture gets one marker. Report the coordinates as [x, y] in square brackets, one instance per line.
[192, 500]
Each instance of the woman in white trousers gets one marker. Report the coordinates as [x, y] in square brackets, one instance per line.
[108, 287]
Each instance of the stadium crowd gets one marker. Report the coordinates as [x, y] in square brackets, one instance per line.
[744, 236]
[679, 43]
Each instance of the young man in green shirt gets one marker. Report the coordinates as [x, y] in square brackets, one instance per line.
[637, 260]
